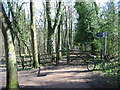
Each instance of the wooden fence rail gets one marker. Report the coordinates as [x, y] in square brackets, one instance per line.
[45, 58]
[22, 61]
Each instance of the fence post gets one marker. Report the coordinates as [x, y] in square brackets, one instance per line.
[39, 58]
[68, 55]
[22, 62]
[101, 54]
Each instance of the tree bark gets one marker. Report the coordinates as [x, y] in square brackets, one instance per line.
[60, 36]
[33, 35]
[11, 65]
[45, 33]
[66, 28]
[55, 36]
[48, 13]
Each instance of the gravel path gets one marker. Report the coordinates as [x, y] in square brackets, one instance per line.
[60, 77]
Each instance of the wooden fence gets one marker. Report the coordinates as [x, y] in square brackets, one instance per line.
[24, 61]
[78, 55]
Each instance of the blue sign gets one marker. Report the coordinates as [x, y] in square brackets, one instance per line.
[99, 34]
[105, 34]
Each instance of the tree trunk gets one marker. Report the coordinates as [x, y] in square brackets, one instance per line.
[11, 65]
[45, 33]
[58, 43]
[69, 32]
[70, 27]
[33, 35]
[66, 28]
[48, 13]
[60, 36]
[55, 36]
[71, 38]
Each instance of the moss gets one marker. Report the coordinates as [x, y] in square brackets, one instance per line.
[11, 48]
[37, 65]
[13, 84]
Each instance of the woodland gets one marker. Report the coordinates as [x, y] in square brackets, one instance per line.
[35, 34]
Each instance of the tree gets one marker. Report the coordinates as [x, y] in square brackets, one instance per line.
[7, 30]
[118, 43]
[50, 29]
[66, 29]
[56, 30]
[119, 30]
[45, 30]
[70, 27]
[108, 23]
[85, 26]
[33, 35]
[59, 43]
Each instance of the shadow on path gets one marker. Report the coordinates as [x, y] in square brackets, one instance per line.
[56, 72]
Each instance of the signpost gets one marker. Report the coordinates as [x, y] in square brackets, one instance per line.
[99, 34]
[104, 35]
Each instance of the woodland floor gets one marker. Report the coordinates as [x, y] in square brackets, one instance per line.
[62, 76]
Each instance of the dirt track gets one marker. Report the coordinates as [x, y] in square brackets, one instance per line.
[60, 77]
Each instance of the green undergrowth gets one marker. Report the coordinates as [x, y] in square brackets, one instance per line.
[112, 77]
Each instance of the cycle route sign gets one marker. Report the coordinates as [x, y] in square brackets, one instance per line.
[105, 34]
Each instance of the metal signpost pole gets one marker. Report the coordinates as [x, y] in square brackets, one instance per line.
[105, 46]
[105, 34]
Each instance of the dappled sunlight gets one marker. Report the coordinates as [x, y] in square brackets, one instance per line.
[63, 78]
[59, 43]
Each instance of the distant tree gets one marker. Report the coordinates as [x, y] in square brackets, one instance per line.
[65, 41]
[59, 41]
[33, 35]
[108, 23]
[119, 29]
[56, 37]
[85, 26]
[70, 12]
[119, 42]
[50, 29]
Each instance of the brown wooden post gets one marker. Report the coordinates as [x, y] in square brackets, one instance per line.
[101, 54]
[22, 62]
[39, 58]
[68, 56]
